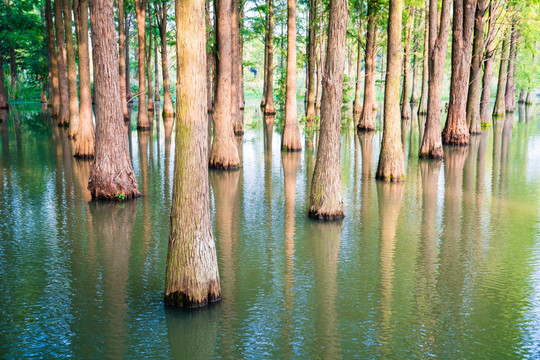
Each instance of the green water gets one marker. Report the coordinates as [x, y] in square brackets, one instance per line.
[446, 265]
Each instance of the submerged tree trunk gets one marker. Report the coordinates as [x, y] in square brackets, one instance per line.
[456, 131]
[367, 118]
[269, 108]
[500, 104]
[310, 110]
[290, 140]
[510, 91]
[72, 70]
[55, 95]
[63, 114]
[168, 109]
[192, 277]
[84, 147]
[224, 153]
[405, 105]
[431, 146]
[122, 59]
[489, 63]
[111, 175]
[142, 120]
[326, 199]
[422, 109]
[391, 165]
[236, 67]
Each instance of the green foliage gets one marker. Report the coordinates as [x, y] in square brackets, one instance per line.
[120, 197]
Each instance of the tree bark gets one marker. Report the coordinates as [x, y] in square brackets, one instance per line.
[326, 199]
[129, 95]
[111, 174]
[266, 47]
[149, 66]
[405, 105]
[431, 146]
[456, 131]
[391, 165]
[269, 108]
[224, 153]
[168, 109]
[235, 71]
[209, 58]
[510, 91]
[63, 114]
[72, 70]
[290, 140]
[489, 63]
[366, 121]
[122, 61]
[84, 147]
[192, 277]
[500, 103]
[357, 104]
[55, 95]
[142, 120]
[422, 109]
[156, 71]
[310, 112]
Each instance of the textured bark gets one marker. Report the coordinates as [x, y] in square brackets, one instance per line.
[63, 114]
[326, 199]
[72, 70]
[84, 147]
[422, 109]
[310, 110]
[209, 59]
[405, 106]
[269, 108]
[168, 109]
[367, 118]
[235, 70]
[431, 146]
[489, 63]
[456, 130]
[149, 82]
[122, 59]
[51, 39]
[129, 95]
[224, 154]
[500, 103]
[111, 174]
[143, 122]
[191, 278]
[3, 96]
[510, 91]
[475, 77]
[391, 165]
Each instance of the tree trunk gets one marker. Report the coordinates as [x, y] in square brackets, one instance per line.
[192, 277]
[357, 104]
[209, 57]
[149, 66]
[168, 109]
[235, 71]
[156, 72]
[63, 115]
[475, 77]
[431, 146]
[13, 70]
[224, 154]
[391, 165]
[129, 95]
[326, 200]
[310, 112]
[3, 96]
[456, 131]
[122, 61]
[422, 109]
[55, 95]
[489, 63]
[84, 147]
[290, 140]
[269, 108]
[142, 120]
[111, 174]
[405, 105]
[72, 71]
[266, 48]
[366, 121]
[510, 91]
[500, 103]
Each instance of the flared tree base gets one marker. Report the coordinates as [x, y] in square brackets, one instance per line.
[365, 128]
[317, 215]
[455, 138]
[187, 301]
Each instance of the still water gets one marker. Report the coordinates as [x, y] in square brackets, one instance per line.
[446, 265]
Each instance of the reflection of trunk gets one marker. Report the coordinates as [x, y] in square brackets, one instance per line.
[480, 178]
[367, 118]
[500, 104]
[122, 58]
[63, 115]
[142, 119]
[422, 110]
[510, 90]
[55, 95]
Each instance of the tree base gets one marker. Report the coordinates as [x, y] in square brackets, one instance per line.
[223, 166]
[170, 115]
[475, 133]
[434, 155]
[239, 133]
[455, 139]
[498, 115]
[290, 149]
[390, 178]
[144, 128]
[98, 194]
[84, 156]
[179, 299]
[363, 128]
[326, 217]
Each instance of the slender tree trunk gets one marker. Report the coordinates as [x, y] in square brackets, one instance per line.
[326, 199]
[366, 121]
[63, 115]
[391, 158]
[510, 91]
[84, 147]
[431, 146]
[456, 130]
[122, 61]
[149, 65]
[168, 109]
[129, 95]
[72, 71]
[522, 96]
[156, 72]
[266, 48]
[142, 120]
[290, 140]
[242, 98]
[310, 112]
[3, 96]
[13, 70]
[224, 153]
[320, 61]
[270, 108]
[357, 103]
[405, 105]
[111, 174]
[500, 104]
[422, 109]
[55, 95]
[489, 63]
[235, 72]
[192, 277]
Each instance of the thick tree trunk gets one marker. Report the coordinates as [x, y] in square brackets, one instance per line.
[55, 95]
[122, 61]
[290, 140]
[111, 175]
[192, 277]
[224, 154]
[489, 63]
[168, 109]
[422, 109]
[391, 165]
[142, 120]
[235, 72]
[149, 82]
[367, 118]
[510, 91]
[326, 200]
[475, 77]
[269, 108]
[500, 103]
[456, 130]
[405, 105]
[431, 146]
[3, 96]
[209, 58]
[72, 70]
[84, 147]
[129, 95]
[63, 114]
[310, 110]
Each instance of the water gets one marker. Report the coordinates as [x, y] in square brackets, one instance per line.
[446, 265]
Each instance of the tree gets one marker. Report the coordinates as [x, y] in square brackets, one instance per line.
[143, 122]
[422, 109]
[326, 200]
[55, 96]
[500, 105]
[168, 109]
[149, 82]
[269, 108]
[63, 114]
[236, 79]
[489, 63]
[510, 90]
[122, 58]
[3, 97]
[192, 278]
[72, 70]
[405, 106]
[111, 174]
[310, 111]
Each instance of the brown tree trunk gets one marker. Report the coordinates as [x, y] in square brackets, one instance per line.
[266, 48]
[129, 95]
[475, 77]
[422, 109]
[84, 147]
[149, 82]
[224, 153]
[156, 72]
[510, 91]
[326, 200]
[3, 96]
[357, 103]
[236, 66]
[269, 108]
[431, 146]
[55, 95]
[168, 109]
[456, 131]
[310, 112]
[142, 120]
[72, 70]
[192, 277]
[13, 70]
[122, 61]
[111, 175]
[209, 57]
[366, 121]
[405, 105]
[290, 140]
[500, 103]
[391, 165]
[63, 115]
[489, 63]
